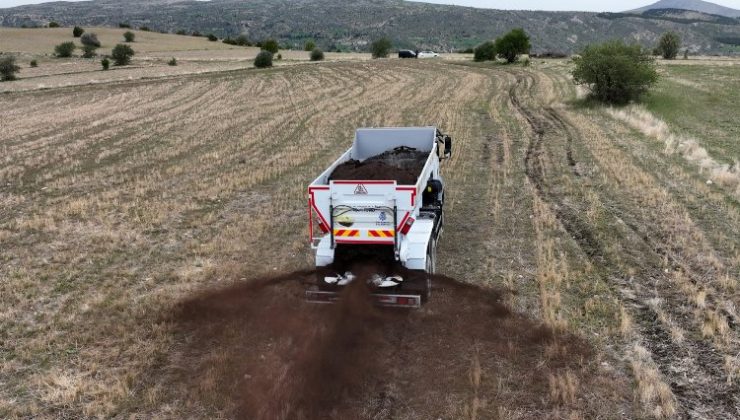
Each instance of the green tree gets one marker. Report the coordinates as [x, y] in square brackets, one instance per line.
[669, 44]
[77, 32]
[105, 63]
[212, 38]
[309, 46]
[615, 72]
[263, 59]
[129, 36]
[317, 54]
[122, 54]
[65, 49]
[485, 52]
[380, 48]
[514, 43]
[90, 39]
[8, 68]
[271, 45]
[89, 51]
[53, 24]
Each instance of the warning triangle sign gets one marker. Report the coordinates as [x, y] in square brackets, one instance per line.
[360, 190]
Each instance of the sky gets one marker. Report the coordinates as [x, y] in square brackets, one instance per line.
[581, 5]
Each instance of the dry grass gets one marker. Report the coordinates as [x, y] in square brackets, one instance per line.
[725, 175]
[654, 394]
[41, 41]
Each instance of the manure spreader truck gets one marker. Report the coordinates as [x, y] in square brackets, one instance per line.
[380, 207]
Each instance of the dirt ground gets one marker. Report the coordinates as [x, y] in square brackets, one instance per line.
[155, 252]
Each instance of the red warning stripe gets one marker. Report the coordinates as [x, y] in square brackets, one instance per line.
[346, 233]
[380, 233]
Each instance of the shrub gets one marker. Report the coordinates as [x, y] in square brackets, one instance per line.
[279, 57]
[124, 25]
[77, 32]
[668, 45]
[105, 63]
[65, 49]
[88, 51]
[122, 54]
[270, 45]
[615, 72]
[34, 63]
[53, 24]
[197, 34]
[212, 38]
[129, 36]
[90, 39]
[381, 47]
[686, 54]
[485, 51]
[263, 59]
[512, 44]
[181, 32]
[317, 54]
[8, 68]
[144, 28]
[526, 62]
[172, 62]
[468, 50]
[309, 46]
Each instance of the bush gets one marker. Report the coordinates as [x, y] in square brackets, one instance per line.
[65, 49]
[8, 68]
[88, 51]
[615, 72]
[279, 57]
[129, 36]
[122, 54]
[124, 25]
[485, 52]
[668, 45]
[381, 47]
[34, 63]
[105, 63]
[270, 45]
[686, 54]
[172, 62]
[309, 46]
[77, 32]
[53, 24]
[90, 39]
[212, 38]
[196, 34]
[263, 59]
[181, 32]
[512, 44]
[317, 54]
[144, 28]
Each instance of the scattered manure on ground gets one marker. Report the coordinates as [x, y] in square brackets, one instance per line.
[257, 350]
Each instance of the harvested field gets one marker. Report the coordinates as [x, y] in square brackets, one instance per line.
[145, 225]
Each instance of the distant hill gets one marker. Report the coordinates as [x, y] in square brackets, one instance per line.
[695, 5]
[352, 25]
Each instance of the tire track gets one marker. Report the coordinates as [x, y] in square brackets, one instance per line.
[693, 367]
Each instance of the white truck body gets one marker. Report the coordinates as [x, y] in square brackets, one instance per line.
[380, 212]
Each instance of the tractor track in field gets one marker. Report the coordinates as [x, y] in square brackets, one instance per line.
[692, 367]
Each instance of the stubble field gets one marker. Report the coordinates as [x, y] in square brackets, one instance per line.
[122, 200]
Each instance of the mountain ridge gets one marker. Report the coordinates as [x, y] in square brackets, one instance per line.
[695, 5]
[351, 26]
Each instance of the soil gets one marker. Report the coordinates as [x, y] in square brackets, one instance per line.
[257, 350]
[402, 166]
